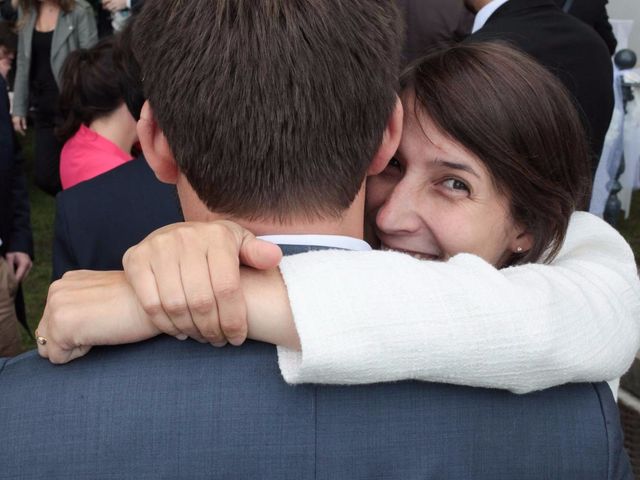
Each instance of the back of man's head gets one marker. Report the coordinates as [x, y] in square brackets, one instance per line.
[272, 108]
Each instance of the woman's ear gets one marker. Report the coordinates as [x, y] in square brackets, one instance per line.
[155, 147]
[390, 140]
[522, 242]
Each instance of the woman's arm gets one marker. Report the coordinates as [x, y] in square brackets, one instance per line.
[87, 29]
[21, 82]
[365, 317]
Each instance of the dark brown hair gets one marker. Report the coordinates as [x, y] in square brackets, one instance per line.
[8, 38]
[273, 108]
[128, 71]
[89, 89]
[517, 118]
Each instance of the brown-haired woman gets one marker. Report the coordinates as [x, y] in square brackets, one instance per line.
[98, 129]
[48, 31]
[492, 166]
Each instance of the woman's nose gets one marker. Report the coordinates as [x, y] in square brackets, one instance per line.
[398, 215]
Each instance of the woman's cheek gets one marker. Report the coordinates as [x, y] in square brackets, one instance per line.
[379, 188]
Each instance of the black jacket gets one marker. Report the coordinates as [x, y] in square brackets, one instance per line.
[15, 223]
[594, 14]
[573, 51]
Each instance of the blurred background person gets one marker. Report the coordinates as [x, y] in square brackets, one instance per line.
[112, 15]
[569, 48]
[97, 128]
[9, 10]
[432, 22]
[9, 47]
[48, 30]
[16, 241]
[97, 220]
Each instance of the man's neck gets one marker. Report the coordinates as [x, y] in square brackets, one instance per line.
[349, 224]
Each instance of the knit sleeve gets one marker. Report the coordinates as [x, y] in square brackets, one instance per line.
[366, 317]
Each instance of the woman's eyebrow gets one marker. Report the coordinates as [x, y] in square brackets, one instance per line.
[456, 166]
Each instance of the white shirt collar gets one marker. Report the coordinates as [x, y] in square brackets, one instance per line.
[485, 12]
[330, 241]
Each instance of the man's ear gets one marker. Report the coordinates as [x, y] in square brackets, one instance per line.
[390, 140]
[155, 147]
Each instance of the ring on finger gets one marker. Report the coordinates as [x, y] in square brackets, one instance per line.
[40, 339]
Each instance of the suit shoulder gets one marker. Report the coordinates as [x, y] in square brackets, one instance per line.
[127, 174]
[3, 362]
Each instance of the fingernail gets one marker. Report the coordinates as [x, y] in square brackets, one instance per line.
[236, 341]
[219, 344]
[182, 336]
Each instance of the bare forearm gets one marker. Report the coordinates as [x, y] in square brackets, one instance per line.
[268, 310]
[85, 309]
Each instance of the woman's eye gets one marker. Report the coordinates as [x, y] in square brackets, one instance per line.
[394, 163]
[393, 168]
[455, 184]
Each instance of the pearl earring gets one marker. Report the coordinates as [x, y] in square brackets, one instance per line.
[519, 249]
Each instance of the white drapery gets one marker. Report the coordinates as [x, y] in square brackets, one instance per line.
[623, 137]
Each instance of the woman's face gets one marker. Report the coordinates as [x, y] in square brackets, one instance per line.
[435, 199]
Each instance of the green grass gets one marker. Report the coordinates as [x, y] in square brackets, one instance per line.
[42, 217]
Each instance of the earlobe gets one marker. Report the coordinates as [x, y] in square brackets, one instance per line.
[390, 140]
[522, 243]
[155, 147]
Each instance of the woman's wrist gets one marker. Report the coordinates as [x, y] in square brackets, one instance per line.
[269, 314]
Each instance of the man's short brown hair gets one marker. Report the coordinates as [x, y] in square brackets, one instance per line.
[272, 108]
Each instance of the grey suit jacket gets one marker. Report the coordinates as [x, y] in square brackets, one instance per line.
[76, 29]
[183, 410]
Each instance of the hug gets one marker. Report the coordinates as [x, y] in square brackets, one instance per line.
[380, 274]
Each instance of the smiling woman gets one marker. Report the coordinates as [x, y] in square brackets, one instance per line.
[435, 208]
[492, 162]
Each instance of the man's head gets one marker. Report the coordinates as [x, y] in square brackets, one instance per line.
[272, 109]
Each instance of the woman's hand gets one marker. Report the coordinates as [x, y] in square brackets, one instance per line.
[187, 278]
[114, 5]
[87, 308]
[19, 124]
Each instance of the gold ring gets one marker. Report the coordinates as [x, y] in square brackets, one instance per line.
[41, 340]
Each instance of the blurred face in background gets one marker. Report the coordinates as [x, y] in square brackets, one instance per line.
[6, 58]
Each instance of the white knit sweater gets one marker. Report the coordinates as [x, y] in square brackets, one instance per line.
[366, 317]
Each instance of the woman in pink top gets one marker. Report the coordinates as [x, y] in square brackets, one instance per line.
[98, 129]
